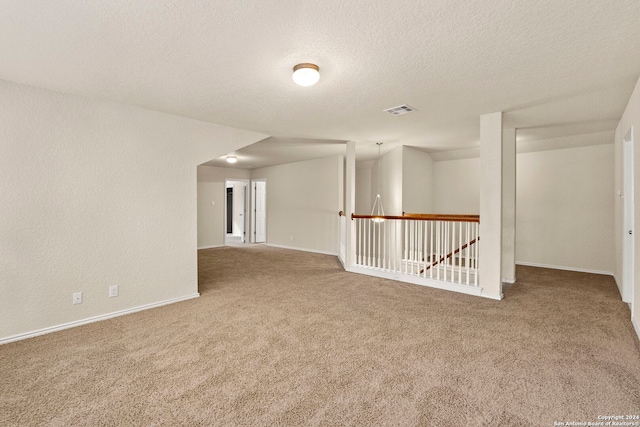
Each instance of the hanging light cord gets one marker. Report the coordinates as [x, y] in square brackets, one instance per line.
[377, 209]
[379, 168]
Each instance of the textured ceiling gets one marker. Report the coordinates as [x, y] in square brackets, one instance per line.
[556, 68]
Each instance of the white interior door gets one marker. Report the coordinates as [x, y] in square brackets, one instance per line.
[236, 222]
[260, 211]
[238, 209]
[628, 240]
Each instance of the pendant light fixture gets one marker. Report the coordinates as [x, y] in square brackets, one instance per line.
[377, 209]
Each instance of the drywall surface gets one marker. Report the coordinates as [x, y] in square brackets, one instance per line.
[363, 188]
[630, 117]
[94, 194]
[456, 186]
[564, 209]
[303, 200]
[417, 176]
[564, 212]
[386, 179]
[211, 203]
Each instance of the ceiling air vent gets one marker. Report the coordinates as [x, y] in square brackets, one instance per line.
[400, 110]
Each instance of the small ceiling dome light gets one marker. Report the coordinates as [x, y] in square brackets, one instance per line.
[306, 74]
[232, 159]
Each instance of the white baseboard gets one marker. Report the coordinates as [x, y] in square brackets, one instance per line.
[559, 267]
[211, 247]
[635, 326]
[619, 286]
[494, 297]
[94, 319]
[447, 286]
[302, 249]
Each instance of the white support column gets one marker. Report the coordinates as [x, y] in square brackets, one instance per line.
[491, 205]
[350, 204]
[509, 206]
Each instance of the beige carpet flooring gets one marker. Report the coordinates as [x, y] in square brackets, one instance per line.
[285, 338]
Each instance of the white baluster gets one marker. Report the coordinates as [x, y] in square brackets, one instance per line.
[394, 246]
[477, 253]
[413, 245]
[431, 247]
[459, 267]
[446, 249]
[427, 248]
[359, 245]
[406, 249]
[420, 238]
[378, 252]
[453, 249]
[384, 245]
[368, 243]
[392, 227]
[373, 243]
[438, 248]
[467, 250]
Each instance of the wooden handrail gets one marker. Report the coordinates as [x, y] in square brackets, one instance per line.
[437, 217]
[450, 254]
[423, 217]
[356, 216]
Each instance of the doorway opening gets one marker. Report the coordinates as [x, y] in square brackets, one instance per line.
[628, 249]
[236, 222]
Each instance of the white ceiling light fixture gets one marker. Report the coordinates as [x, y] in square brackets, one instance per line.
[306, 74]
[232, 159]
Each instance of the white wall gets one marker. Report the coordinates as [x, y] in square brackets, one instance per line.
[564, 212]
[211, 188]
[363, 187]
[417, 185]
[630, 117]
[389, 166]
[303, 200]
[456, 186]
[405, 184]
[92, 194]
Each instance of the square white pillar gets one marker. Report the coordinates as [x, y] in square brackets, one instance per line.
[509, 205]
[350, 204]
[490, 265]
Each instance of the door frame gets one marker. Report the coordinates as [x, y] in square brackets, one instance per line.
[628, 244]
[253, 209]
[245, 222]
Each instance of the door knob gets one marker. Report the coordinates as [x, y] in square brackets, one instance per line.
[630, 231]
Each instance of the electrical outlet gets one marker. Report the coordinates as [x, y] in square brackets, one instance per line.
[77, 297]
[292, 238]
[113, 291]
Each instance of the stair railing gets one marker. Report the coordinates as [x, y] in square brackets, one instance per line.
[434, 246]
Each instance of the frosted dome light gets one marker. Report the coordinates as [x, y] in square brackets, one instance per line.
[306, 74]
